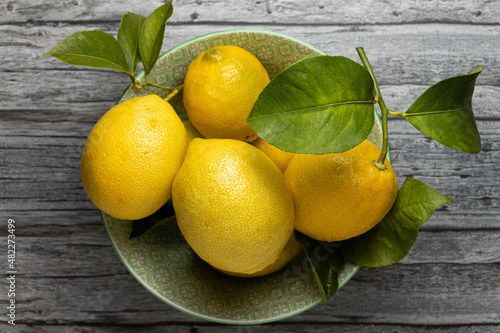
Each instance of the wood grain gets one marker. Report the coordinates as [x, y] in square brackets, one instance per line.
[71, 280]
[434, 49]
[292, 328]
[276, 12]
[438, 294]
[47, 157]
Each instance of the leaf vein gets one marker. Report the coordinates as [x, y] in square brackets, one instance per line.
[319, 108]
[465, 108]
[88, 56]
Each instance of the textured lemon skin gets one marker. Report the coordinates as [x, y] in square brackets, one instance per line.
[191, 131]
[131, 156]
[232, 205]
[339, 196]
[292, 248]
[220, 88]
[279, 157]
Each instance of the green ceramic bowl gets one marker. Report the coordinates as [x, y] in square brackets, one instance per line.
[163, 262]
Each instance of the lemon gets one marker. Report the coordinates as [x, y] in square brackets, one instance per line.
[191, 131]
[232, 205]
[279, 157]
[292, 248]
[131, 156]
[341, 195]
[220, 88]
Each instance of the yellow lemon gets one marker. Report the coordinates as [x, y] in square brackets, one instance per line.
[220, 88]
[279, 157]
[131, 156]
[232, 205]
[191, 131]
[339, 196]
[292, 248]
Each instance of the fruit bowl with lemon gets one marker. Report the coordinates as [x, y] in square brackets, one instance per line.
[248, 272]
[244, 176]
[243, 173]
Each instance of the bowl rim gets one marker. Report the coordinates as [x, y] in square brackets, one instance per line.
[138, 278]
[221, 32]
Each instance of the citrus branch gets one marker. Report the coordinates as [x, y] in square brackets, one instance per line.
[385, 111]
[173, 90]
[149, 83]
[397, 114]
[426, 113]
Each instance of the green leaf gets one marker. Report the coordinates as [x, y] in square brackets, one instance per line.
[152, 34]
[391, 240]
[444, 113]
[326, 262]
[319, 105]
[128, 37]
[93, 48]
[164, 215]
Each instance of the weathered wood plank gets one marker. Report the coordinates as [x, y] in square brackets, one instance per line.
[472, 181]
[418, 54]
[265, 328]
[67, 127]
[78, 92]
[346, 328]
[434, 294]
[253, 11]
[35, 166]
[40, 171]
[475, 206]
[70, 278]
[65, 219]
[84, 96]
[84, 251]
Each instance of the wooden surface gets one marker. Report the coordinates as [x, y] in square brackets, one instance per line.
[69, 278]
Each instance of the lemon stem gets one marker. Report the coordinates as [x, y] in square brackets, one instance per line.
[149, 83]
[174, 92]
[136, 83]
[385, 111]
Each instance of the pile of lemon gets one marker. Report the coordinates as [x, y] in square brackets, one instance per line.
[237, 199]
